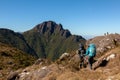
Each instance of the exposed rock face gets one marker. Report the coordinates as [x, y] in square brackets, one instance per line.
[50, 40]
[51, 27]
[44, 27]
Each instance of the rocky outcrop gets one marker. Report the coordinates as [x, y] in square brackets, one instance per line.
[104, 59]
[13, 76]
[43, 73]
[105, 43]
[50, 28]
[64, 56]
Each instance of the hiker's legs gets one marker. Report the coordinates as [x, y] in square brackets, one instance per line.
[81, 61]
[85, 61]
[90, 61]
[81, 64]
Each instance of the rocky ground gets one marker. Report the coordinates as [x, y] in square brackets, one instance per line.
[68, 69]
[106, 65]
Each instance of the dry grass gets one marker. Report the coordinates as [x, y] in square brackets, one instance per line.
[111, 71]
[12, 59]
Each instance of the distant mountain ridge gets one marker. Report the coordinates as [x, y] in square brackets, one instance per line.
[16, 40]
[45, 40]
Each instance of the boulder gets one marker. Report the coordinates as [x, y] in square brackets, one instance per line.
[13, 76]
[64, 56]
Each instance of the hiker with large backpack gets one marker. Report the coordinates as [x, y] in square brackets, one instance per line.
[81, 52]
[90, 54]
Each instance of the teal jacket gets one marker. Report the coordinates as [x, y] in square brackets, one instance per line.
[91, 51]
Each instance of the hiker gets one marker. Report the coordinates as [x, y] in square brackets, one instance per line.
[90, 54]
[81, 52]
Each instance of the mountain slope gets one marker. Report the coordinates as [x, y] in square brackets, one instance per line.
[12, 59]
[50, 40]
[16, 40]
[67, 67]
[69, 71]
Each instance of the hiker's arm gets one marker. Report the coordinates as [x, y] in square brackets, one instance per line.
[87, 52]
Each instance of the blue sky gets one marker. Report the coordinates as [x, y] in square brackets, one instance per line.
[81, 17]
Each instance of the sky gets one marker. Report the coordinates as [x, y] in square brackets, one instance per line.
[80, 17]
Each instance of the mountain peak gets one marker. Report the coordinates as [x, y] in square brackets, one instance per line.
[48, 26]
[50, 39]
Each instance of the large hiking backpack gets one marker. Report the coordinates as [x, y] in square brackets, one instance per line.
[92, 50]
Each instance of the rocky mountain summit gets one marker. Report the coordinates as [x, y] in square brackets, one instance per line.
[50, 27]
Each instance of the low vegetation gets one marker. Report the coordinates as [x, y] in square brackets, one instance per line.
[12, 59]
